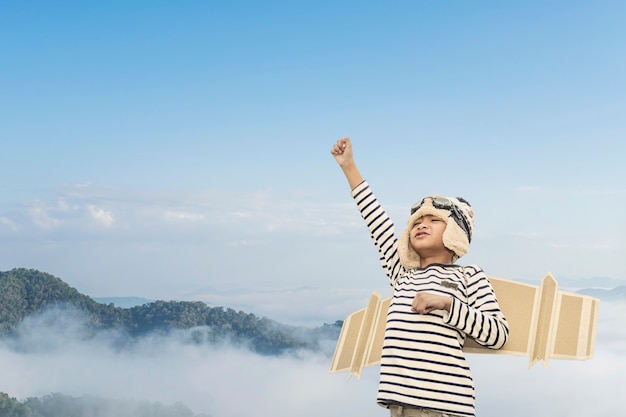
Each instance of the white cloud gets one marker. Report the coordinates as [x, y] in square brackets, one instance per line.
[104, 217]
[42, 219]
[239, 214]
[63, 205]
[184, 216]
[5, 221]
[287, 303]
[214, 380]
[216, 215]
[56, 357]
[198, 235]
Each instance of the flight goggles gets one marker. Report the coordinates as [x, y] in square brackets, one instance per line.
[447, 204]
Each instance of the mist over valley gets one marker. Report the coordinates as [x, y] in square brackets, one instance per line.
[158, 360]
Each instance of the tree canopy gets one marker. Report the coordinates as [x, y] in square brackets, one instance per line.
[55, 405]
[24, 292]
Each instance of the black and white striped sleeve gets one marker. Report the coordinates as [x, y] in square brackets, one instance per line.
[381, 229]
[481, 318]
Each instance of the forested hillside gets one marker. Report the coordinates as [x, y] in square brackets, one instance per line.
[57, 405]
[24, 292]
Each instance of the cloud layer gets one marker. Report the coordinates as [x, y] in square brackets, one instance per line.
[163, 244]
[56, 356]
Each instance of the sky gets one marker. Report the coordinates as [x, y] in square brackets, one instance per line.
[180, 151]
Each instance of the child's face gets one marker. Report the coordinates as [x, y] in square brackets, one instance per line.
[426, 236]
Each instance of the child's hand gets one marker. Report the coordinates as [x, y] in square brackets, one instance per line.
[342, 151]
[425, 302]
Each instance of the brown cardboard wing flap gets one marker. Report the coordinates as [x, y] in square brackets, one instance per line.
[361, 337]
[520, 304]
[544, 323]
[575, 324]
[548, 292]
[346, 345]
[378, 336]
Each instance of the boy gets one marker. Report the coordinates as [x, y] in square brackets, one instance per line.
[435, 302]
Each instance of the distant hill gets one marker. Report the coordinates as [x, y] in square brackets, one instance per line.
[124, 302]
[616, 294]
[606, 283]
[58, 404]
[24, 292]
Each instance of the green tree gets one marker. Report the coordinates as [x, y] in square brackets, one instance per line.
[27, 291]
[11, 407]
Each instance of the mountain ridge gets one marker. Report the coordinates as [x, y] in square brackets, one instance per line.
[24, 292]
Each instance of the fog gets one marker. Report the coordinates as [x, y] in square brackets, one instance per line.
[55, 352]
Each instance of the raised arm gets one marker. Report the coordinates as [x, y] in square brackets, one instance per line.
[380, 226]
[342, 152]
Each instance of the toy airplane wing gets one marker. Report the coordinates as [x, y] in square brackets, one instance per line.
[544, 323]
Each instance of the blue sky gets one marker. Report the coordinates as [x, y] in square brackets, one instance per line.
[181, 150]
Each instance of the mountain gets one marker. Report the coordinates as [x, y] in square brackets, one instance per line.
[594, 282]
[24, 292]
[616, 294]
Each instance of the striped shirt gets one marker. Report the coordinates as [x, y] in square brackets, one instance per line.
[422, 363]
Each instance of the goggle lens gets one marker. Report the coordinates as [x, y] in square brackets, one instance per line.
[437, 202]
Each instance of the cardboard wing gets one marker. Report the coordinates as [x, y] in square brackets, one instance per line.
[544, 323]
[360, 342]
